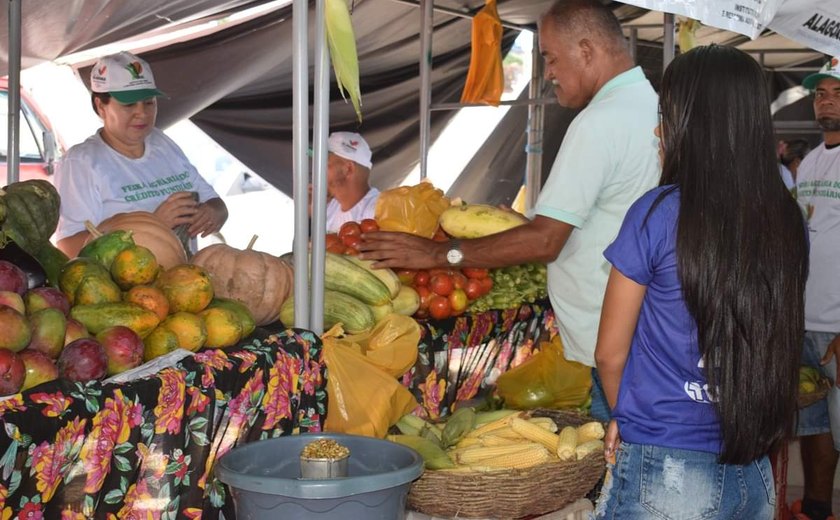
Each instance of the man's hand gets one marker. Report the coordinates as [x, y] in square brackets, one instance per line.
[833, 351]
[402, 250]
[179, 208]
[611, 441]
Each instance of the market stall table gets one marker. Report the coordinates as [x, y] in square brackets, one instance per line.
[146, 448]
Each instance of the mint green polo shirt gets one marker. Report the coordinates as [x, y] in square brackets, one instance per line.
[608, 159]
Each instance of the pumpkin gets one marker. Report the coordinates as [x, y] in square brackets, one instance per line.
[30, 210]
[150, 232]
[259, 280]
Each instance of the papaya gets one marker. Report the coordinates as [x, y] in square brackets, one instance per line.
[189, 327]
[73, 272]
[96, 289]
[242, 313]
[52, 259]
[134, 265]
[187, 287]
[159, 342]
[223, 327]
[478, 220]
[105, 247]
[100, 316]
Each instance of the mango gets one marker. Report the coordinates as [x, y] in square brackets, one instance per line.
[246, 319]
[100, 316]
[134, 265]
[74, 271]
[15, 333]
[96, 289]
[49, 327]
[223, 327]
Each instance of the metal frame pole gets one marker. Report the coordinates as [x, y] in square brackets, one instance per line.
[319, 185]
[300, 159]
[536, 118]
[668, 40]
[426, 28]
[13, 149]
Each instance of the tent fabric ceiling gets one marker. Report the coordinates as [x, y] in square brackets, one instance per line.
[236, 83]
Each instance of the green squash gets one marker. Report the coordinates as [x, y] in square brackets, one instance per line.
[31, 213]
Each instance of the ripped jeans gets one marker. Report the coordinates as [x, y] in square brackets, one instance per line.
[672, 484]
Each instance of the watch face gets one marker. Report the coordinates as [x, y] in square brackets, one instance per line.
[454, 256]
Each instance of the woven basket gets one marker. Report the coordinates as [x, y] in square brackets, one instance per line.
[823, 386]
[509, 493]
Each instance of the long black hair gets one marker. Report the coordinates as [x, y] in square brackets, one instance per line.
[742, 253]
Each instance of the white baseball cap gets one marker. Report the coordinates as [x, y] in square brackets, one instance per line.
[126, 77]
[829, 70]
[351, 146]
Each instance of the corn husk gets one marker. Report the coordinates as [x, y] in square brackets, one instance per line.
[345, 60]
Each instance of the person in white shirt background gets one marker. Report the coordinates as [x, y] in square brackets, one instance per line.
[351, 198]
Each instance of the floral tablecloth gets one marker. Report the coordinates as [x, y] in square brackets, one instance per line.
[460, 358]
[146, 449]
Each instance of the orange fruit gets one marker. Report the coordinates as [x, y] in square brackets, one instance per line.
[135, 265]
[190, 329]
[150, 298]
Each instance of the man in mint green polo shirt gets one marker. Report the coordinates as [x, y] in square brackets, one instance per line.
[607, 160]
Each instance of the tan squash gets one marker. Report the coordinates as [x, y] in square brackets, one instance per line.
[150, 232]
[259, 280]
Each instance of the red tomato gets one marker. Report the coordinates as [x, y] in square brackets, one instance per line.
[475, 272]
[421, 314]
[441, 284]
[421, 279]
[440, 235]
[406, 276]
[352, 241]
[486, 285]
[336, 247]
[439, 307]
[367, 225]
[458, 301]
[352, 251]
[425, 295]
[473, 289]
[459, 280]
[331, 239]
[349, 229]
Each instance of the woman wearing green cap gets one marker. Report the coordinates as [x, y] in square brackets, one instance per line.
[128, 164]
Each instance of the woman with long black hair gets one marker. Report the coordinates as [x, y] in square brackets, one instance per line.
[701, 329]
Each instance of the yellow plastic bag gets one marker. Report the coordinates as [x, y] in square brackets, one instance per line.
[363, 399]
[546, 380]
[411, 209]
[485, 78]
[391, 344]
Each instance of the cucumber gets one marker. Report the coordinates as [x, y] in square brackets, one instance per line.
[354, 315]
[342, 275]
[385, 275]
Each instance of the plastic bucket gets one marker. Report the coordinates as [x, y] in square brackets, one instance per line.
[264, 479]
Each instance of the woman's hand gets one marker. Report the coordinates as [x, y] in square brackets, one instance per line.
[209, 218]
[611, 441]
[179, 208]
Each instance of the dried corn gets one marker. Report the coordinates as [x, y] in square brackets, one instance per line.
[536, 433]
[567, 443]
[590, 431]
[584, 449]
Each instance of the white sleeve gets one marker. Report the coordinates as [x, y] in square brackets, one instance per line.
[80, 199]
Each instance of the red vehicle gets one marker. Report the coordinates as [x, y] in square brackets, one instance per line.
[40, 147]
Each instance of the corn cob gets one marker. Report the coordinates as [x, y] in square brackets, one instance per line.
[484, 455]
[545, 423]
[590, 431]
[482, 418]
[534, 432]
[498, 424]
[584, 449]
[507, 433]
[497, 440]
[342, 43]
[466, 442]
[534, 455]
[567, 443]
[459, 424]
[433, 456]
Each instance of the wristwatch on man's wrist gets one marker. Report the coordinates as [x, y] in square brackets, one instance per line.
[454, 256]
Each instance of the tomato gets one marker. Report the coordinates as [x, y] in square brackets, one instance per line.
[441, 284]
[421, 279]
[473, 289]
[349, 229]
[439, 307]
[352, 241]
[439, 235]
[459, 280]
[486, 285]
[421, 314]
[336, 247]
[352, 251]
[425, 295]
[331, 239]
[406, 276]
[458, 301]
[367, 225]
[475, 272]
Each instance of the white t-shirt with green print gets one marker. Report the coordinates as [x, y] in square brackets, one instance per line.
[96, 182]
[818, 193]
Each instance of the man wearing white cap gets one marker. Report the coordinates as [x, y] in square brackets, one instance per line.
[128, 164]
[348, 170]
[818, 193]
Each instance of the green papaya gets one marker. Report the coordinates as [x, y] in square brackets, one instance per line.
[240, 310]
[73, 271]
[100, 316]
[52, 259]
[96, 289]
[104, 248]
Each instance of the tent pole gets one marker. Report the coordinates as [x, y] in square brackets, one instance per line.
[426, 28]
[300, 160]
[319, 156]
[634, 44]
[668, 41]
[536, 116]
[13, 149]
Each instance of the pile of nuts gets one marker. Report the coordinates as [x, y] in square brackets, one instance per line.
[325, 449]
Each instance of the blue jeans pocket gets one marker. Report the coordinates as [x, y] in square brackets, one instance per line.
[684, 487]
[765, 470]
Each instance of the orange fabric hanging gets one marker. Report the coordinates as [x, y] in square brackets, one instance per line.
[485, 79]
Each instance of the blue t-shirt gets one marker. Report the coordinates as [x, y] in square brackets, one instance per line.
[663, 398]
